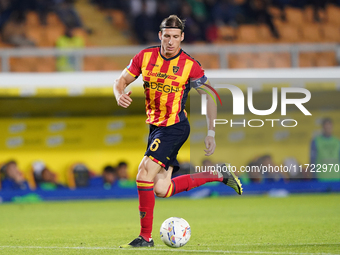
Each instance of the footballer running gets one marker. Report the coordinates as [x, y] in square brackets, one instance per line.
[168, 74]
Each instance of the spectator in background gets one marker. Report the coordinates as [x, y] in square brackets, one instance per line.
[144, 24]
[226, 12]
[262, 169]
[271, 175]
[258, 9]
[193, 31]
[325, 153]
[68, 41]
[13, 31]
[79, 176]
[109, 175]
[12, 177]
[43, 175]
[163, 11]
[122, 171]
[317, 6]
[254, 175]
[207, 164]
[69, 15]
[5, 12]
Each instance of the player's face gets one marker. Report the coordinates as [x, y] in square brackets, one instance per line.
[328, 128]
[171, 39]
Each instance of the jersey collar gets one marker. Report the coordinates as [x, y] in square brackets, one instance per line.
[160, 53]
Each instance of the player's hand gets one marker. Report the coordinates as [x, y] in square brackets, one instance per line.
[210, 145]
[124, 100]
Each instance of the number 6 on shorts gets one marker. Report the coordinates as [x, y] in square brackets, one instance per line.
[154, 146]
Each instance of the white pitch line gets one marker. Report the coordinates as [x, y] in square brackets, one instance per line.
[156, 249]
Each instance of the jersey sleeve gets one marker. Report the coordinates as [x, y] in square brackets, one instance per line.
[134, 67]
[197, 77]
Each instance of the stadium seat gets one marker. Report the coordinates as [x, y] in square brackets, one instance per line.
[4, 45]
[289, 34]
[241, 60]
[36, 34]
[208, 61]
[93, 63]
[281, 60]
[265, 35]
[279, 23]
[307, 59]
[247, 34]
[309, 14]
[311, 32]
[32, 19]
[24, 64]
[81, 33]
[21, 68]
[330, 33]
[226, 34]
[333, 14]
[275, 12]
[325, 59]
[29, 175]
[53, 20]
[294, 16]
[53, 33]
[46, 64]
[110, 66]
[119, 19]
[259, 62]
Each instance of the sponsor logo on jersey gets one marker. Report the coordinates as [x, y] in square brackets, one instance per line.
[160, 87]
[161, 75]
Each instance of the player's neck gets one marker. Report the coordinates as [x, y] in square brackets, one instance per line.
[169, 55]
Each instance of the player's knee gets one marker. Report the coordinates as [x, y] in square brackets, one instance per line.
[142, 173]
[159, 191]
[147, 170]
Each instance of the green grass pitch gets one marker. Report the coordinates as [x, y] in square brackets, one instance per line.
[298, 224]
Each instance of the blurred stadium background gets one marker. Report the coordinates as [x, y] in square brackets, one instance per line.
[59, 60]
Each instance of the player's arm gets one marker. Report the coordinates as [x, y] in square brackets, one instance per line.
[211, 116]
[123, 99]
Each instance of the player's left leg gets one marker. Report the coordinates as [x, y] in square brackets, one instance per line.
[147, 171]
[164, 186]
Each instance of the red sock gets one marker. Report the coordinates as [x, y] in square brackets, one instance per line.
[146, 205]
[189, 181]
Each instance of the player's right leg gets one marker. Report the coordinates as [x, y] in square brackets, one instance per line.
[147, 171]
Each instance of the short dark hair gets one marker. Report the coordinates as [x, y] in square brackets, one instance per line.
[173, 21]
[122, 163]
[326, 120]
[109, 169]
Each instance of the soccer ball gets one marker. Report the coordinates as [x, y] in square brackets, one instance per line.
[175, 232]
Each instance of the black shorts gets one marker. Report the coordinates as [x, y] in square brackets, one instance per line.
[165, 142]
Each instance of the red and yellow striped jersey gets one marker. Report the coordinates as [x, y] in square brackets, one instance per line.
[166, 83]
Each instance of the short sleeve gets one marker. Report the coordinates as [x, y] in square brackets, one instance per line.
[134, 67]
[197, 77]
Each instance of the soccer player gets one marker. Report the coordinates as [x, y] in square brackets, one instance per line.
[168, 72]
